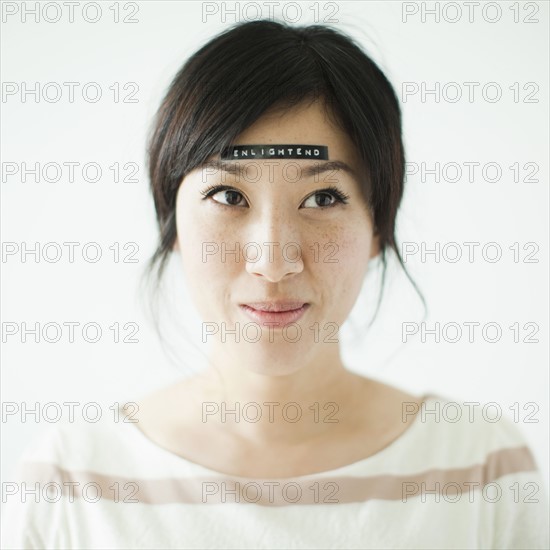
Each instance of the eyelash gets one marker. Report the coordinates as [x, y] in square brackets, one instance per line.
[341, 197]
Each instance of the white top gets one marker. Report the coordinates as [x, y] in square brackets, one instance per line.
[441, 484]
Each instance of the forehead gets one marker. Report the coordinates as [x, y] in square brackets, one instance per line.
[304, 123]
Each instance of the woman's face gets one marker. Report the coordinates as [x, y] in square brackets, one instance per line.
[274, 237]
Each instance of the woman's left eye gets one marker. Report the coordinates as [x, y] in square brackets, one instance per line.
[325, 198]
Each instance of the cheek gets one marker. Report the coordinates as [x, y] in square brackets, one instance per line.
[342, 271]
[355, 249]
[201, 245]
[345, 245]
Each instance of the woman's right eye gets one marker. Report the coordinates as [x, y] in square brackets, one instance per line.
[226, 195]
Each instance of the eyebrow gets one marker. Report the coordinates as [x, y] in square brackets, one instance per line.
[306, 171]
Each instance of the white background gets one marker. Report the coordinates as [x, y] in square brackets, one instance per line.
[148, 53]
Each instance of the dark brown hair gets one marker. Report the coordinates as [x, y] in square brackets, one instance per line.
[254, 67]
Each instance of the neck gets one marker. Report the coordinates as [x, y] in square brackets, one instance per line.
[319, 397]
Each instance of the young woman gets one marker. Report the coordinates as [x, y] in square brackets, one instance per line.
[276, 165]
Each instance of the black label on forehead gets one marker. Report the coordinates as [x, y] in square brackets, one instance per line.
[274, 151]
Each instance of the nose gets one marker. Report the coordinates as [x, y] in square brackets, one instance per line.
[274, 252]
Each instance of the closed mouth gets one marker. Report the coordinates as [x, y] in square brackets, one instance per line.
[275, 307]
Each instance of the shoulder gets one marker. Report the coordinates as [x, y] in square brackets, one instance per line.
[64, 468]
[476, 450]
[452, 439]
[75, 444]
[472, 430]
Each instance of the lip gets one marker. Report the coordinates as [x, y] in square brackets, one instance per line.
[275, 313]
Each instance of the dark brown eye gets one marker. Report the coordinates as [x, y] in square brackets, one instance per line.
[323, 199]
[326, 198]
[232, 197]
[229, 196]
